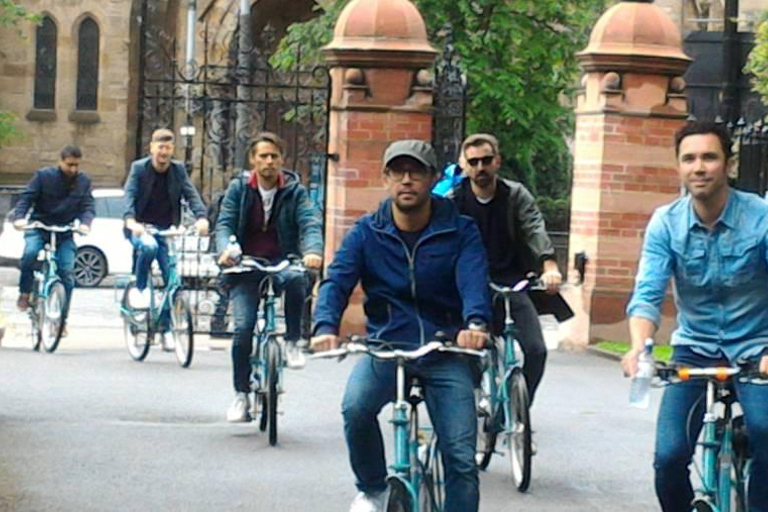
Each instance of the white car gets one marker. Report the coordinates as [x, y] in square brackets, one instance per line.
[105, 250]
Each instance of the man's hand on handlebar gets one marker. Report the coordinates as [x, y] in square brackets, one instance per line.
[313, 261]
[226, 259]
[551, 278]
[472, 338]
[20, 224]
[136, 228]
[324, 342]
[202, 226]
[83, 229]
[764, 365]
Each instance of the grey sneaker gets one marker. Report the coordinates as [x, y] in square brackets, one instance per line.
[369, 502]
[169, 344]
[239, 412]
[294, 357]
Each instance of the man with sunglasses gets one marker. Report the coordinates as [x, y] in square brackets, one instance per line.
[515, 239]
[423, 270]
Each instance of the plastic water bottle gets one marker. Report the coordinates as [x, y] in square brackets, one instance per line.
[640, 388]
[234, 249]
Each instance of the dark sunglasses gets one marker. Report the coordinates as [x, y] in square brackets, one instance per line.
[485, 159]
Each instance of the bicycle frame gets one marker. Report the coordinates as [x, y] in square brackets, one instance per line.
[266, 334]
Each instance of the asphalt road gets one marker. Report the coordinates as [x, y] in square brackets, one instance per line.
[88, 429]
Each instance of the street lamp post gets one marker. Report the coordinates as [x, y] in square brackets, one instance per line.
[188, 130]
[731, 60]
[244, 68]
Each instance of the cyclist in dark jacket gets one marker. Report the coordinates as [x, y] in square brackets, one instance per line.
[271, 217]
[57, 196]
[423, 270]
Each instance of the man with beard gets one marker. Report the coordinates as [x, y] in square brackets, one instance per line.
[153, 192]
[57, 196]
[714, 244]
[515, 238]
[423, 270]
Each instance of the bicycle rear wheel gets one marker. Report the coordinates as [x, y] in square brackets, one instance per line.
[136, 328]
[52, 316]
[182, 330]
[518, 430]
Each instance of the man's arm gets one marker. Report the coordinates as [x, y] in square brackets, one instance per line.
[333, 296]
[533, 226]
[131, 191]
[28, 198]
[472, 276]
[229, 214]
[87, 205]
[653, 273]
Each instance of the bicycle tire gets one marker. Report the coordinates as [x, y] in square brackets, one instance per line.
[136, 329]
[398, 497]
[702, 505]
[432, 490]
[52, 316]
[34, 318]
[741, 472]
[273, 368]
[518, 432]
[488, 422]
[183, 330]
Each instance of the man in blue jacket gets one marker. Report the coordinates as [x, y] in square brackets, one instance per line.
[271, 217]
[153, 193]
[423, 269]
[58, 196]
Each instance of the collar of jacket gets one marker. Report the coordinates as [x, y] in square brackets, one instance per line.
[282, 179]
[444, 215]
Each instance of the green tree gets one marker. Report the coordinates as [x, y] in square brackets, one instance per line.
[518, 56]
[11, 15]
[757, 62]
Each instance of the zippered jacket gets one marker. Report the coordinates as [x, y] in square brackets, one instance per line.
[299, 225]
[53, 202]
[440, 285]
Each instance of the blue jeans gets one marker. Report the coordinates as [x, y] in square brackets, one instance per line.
[675, 445]
[449, 396]
[147, 248]
[245, 302]
[66, 250]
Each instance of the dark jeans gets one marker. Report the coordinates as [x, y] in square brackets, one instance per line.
[529, 335]
[66, 250]
[675, 444]
[245, 300]
[147, 248]
[450, 400]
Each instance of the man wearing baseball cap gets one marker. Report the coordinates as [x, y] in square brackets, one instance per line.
[423, 270]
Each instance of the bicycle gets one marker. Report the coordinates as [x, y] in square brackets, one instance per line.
[48, 299]
[504, 389]
[142, 325]
[725, 463]
[416, 481]
[267, 358]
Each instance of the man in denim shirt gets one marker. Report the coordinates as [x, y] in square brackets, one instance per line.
[714, 243]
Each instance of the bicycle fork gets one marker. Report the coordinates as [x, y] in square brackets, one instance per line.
[717, 456]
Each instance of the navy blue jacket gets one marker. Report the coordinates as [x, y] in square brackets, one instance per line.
[52, 202]
[299, 226]
[441, 285]
[138, 187]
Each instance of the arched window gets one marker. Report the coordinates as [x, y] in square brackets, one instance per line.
[45, 65]
[87, 65]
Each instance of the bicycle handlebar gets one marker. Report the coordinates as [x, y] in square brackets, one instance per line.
[172, 231]
[250, 264]
[360, 345]
[673, 373]
[74, 226]
[519, 287]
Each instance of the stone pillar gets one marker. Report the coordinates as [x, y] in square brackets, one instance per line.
[381, 91]
[631, 104]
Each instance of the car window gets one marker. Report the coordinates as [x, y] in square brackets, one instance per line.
[110, 207]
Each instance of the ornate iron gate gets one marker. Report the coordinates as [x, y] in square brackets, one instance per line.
[450, 100]
[203, 103]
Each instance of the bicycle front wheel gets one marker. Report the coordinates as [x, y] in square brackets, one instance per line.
[399, 498]
[52, 316]
[272, 354]
[432, 490]
[136, 329]
[182, 330]
[35, 317]
[518, 430]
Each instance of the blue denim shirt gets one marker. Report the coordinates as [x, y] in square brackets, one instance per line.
[720, 277]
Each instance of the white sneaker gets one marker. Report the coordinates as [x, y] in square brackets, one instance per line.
[294, 357]
[238, 411]
[168, 342]
[369, 502]
[139, 299]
